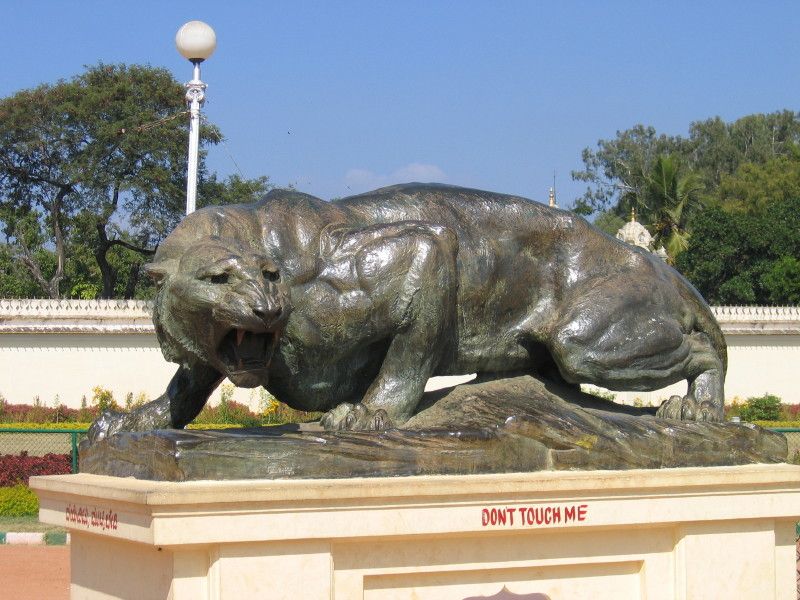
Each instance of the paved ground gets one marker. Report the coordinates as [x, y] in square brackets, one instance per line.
[35, 572]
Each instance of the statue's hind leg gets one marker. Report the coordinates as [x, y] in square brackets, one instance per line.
[623, 347]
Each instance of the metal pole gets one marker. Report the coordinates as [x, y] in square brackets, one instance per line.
[74, 444]
[195, 95]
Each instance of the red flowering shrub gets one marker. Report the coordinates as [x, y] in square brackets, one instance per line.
[228, 411]
[30, 413]
[17, 468]
[790, 412]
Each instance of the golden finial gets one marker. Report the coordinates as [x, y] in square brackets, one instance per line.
[552, 197]
[633, 214]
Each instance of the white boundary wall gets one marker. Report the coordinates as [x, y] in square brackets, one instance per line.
[65, 348]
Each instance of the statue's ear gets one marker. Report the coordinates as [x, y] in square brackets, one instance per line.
[159, 271]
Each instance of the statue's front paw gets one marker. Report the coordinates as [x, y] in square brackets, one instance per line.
[105, 425]
[355, 417]
[688, 409]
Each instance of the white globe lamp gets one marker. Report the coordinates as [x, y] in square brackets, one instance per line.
[195, 41]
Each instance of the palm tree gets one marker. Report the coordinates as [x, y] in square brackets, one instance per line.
[672, 194]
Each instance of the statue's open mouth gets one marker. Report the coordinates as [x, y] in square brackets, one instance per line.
[246, 354]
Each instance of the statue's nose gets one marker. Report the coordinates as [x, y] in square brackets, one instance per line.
[267, 311]
[264, 306]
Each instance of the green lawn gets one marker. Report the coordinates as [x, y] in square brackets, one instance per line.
[26, 524]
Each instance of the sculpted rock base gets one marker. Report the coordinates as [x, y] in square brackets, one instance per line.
[518, 424]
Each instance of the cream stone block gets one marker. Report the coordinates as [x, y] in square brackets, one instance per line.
[723, 532]
[103, 568]
[300, 569]
[709, 548]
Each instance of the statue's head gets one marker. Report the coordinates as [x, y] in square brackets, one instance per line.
[222, 304]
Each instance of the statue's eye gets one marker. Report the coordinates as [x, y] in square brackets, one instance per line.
[271, 274]
[221, 278]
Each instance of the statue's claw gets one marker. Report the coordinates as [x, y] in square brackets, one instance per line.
[709, 412]
[105, 425]
[355, 417]
[153, 415]
[688, 409]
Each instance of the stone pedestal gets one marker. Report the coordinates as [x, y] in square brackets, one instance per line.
[720, 532]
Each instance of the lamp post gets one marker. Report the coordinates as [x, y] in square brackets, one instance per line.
[195, 41]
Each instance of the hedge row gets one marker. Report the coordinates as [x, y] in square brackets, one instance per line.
[84, 426]
[18, 468]
[227, 412]
[781, 424]
[36, 413]
[32, 425]
[18, 501]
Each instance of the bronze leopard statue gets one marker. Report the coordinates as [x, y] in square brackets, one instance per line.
[350, 306]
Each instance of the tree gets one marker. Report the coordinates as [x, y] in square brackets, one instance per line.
[15, 280]
[609, 222]
[782, 281]
[671, 196]
[716, 148]
[742, 258]
[617, 170]
[761, 408]
[98, 162]
[754, 186]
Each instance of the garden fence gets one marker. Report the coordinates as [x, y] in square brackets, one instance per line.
[40, 442]
[793, 438]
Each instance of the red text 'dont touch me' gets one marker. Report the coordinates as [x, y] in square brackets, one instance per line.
[526, 516]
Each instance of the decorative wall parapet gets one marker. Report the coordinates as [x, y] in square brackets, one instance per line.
[75, 316]
[758, 320]
[135, 316]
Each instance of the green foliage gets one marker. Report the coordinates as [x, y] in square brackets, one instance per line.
[232, 190]
[778, 424]
[781, 281]
[744, 258]
[15, 280]
[747, 167]
[618, 170]
[18, 501]
[73, 425]
[92, 178]
[229, 412]
[609, 222]
[761, 408]
[205, 426]
[133, 402]
[671, 197]
[716, 148]
[733, 409]
[103, 399]
[753, 187]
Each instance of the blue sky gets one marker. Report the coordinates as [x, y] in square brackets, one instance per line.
[340, 97]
